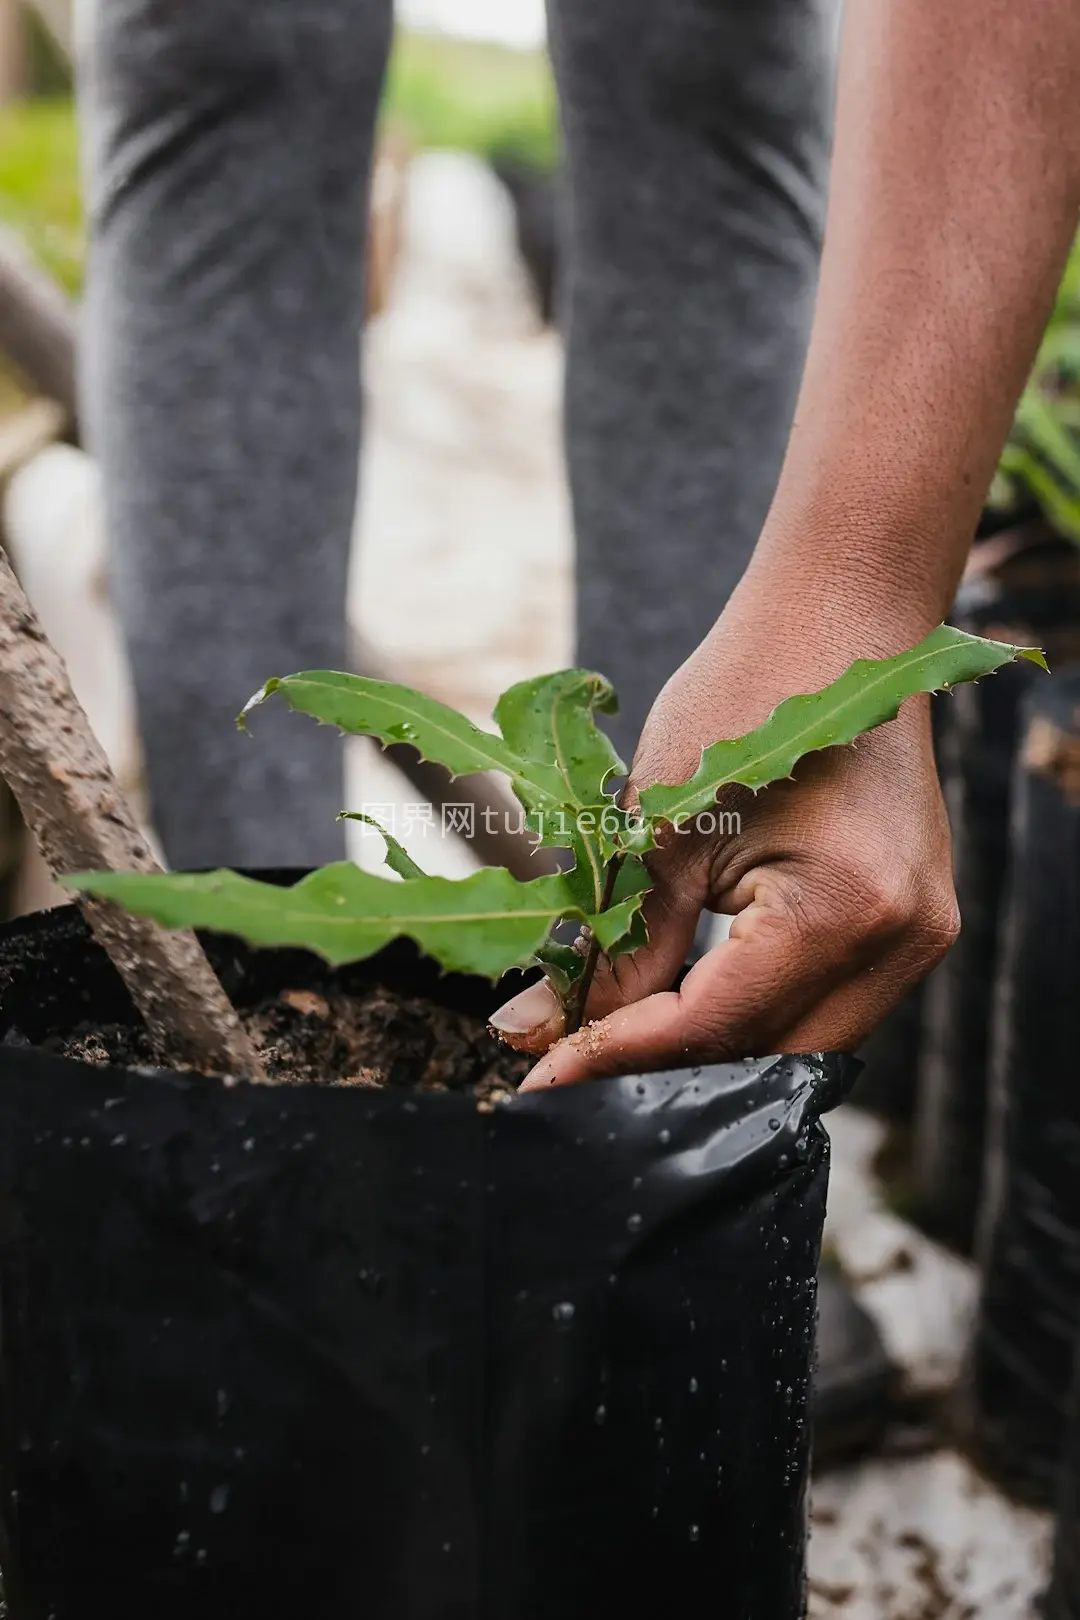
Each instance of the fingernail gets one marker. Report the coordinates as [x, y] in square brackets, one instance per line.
[532, 1021]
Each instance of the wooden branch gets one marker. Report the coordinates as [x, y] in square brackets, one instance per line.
[13, 57]
[73, 804]
[37, 326]
[57, 17]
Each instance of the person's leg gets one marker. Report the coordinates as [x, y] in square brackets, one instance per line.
[697, 139]
[228, 147]
[697, 136]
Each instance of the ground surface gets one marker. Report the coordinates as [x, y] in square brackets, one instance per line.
[921, 1537]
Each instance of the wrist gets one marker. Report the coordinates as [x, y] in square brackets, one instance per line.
[850, 585]
[871, 544]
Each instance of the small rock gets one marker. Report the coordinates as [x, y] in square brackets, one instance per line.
[307, 1003]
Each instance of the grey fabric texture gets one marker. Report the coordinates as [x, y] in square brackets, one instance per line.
[227, 149]
[697, 138]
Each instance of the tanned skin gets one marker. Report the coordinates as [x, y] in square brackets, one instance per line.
[954, 200]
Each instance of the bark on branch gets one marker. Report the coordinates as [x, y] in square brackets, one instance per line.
[73, 804]
[37, 326]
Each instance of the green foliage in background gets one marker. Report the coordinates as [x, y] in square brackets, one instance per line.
[476, 98]
[39, 185]
[494, 102]
[1041, 461]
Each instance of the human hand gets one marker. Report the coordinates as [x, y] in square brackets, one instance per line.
[839, 881]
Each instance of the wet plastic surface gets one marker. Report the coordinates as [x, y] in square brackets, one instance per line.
[1029, 1318]
[332, 1352]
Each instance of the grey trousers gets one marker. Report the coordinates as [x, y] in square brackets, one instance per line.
[227, 149]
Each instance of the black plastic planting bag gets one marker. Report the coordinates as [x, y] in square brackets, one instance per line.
[1029, 1318]
[976, 769]
[329, 1352]
[1064, 1599]
[888, 1083]
[1037, 603]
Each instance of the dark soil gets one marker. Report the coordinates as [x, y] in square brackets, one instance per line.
[375, 1039]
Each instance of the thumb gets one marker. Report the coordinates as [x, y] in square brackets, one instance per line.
[740, 1000]
[536, 1018]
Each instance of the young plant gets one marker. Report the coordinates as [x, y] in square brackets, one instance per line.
[560, 765]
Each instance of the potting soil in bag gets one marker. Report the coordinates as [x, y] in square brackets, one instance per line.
[1034, 599]
[1064, 1599]
[1029, 1317]
[386, 1348]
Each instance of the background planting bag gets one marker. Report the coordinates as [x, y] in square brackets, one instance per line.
[1064, 1600]
[1034, 596]
[335, 1352]
[888, 1083]
[976, 760]
[1030, 1309]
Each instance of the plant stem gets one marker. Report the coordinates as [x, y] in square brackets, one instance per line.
[576, 1013]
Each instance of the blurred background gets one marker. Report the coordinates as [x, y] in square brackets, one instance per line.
[462, 377]
[463, 372]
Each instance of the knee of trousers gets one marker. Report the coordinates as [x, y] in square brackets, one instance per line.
[700, 98]
[158, 79]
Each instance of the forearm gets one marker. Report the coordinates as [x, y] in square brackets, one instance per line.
[954, 199]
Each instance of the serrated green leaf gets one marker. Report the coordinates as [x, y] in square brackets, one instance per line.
[397, 856]
[618, 922]
[397, 714]
[562, 965]
[636, 935]
[619, 929]
[635, 834]
[614, 926]
[552, 720]
[588, 874]
[865, 696]
[551, 828]
[622, 928]
[485, 923]
[610, 829]
[615, 831]
[632, 879]
[597, 834]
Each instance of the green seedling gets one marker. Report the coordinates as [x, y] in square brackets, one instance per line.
[560, 765]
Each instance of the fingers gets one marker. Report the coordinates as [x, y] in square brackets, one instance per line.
[535, 1019]
[724, 1009]
[785, 981]
[532, 1021]
[643, 1036]
[672, 913]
